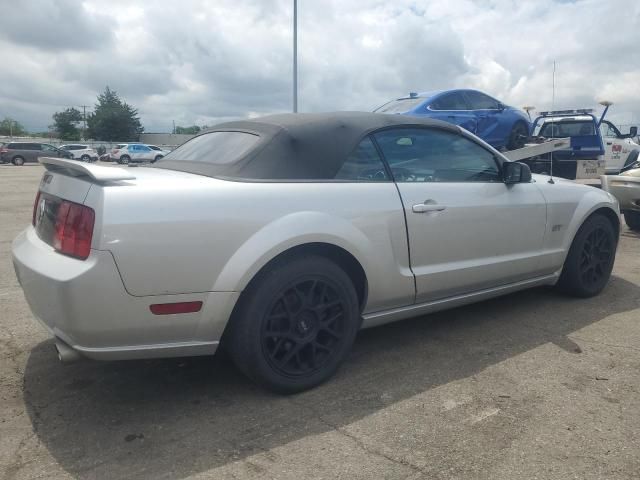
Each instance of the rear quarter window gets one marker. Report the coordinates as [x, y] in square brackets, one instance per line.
[214, 147]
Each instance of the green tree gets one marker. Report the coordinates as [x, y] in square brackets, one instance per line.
[65, 124]
[193, 130]
[113, 119]
[9, 126]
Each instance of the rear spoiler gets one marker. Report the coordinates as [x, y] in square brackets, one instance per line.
[74, 168]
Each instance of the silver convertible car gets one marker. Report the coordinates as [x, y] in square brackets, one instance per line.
[278, 238]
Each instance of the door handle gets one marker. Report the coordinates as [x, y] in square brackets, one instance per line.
[608, 143]
[427, 207]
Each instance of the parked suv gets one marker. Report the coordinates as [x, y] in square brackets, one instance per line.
[81, 152]
[124, 153]
[19, 153]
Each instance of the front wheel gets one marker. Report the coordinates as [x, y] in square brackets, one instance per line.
[158, 157]
[588, 265]
[518, 136]
[85, 158]
[632, 219]
[295, 324]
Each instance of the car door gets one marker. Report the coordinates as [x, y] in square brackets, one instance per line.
[33, 152]
[467, 229]
[613, 147]
[134, 152]
[49, 151]
[452, 107]
[487, 112]
[146, 154]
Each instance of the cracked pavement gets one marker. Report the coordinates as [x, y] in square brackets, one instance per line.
[530, 385]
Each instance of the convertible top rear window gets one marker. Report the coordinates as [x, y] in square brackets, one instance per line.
[215, 147]
[290, 147]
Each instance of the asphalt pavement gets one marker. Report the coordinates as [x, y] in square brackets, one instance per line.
[530, 385]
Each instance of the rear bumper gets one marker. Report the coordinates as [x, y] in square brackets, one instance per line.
[85, 304]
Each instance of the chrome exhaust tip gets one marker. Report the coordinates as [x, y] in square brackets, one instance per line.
[66, 354]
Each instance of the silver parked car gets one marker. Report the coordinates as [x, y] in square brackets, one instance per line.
[81, 152]
[280, 237]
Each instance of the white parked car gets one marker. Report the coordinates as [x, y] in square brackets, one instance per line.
[81, 152]
[125, 153]
[626, 188]
[281, 236]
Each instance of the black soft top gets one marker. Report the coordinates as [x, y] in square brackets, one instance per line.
[297, 145]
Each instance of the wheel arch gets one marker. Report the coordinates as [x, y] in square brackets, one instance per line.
[341, 257]
[339, 241]
[607, 211]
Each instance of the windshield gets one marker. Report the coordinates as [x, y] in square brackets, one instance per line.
[214, 147]
[567, 129]
[399, 106]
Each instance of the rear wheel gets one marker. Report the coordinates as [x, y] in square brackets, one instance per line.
[18, 161]
[124, 159]
[588, 265]
[518, 136]
[295, 324]
[632, 219]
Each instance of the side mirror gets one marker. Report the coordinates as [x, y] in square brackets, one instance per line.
[516, 172]
[633, 131]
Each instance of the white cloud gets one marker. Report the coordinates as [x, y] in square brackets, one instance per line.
[204, 61]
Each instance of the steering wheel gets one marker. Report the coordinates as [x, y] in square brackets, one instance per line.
[403, 175]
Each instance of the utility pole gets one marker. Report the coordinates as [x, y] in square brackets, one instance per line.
[295, 56]
[174, 127]
[84, 121]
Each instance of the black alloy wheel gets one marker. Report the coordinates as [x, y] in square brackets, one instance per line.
[294, 324]
[304, 327]
[596, 256]
[589, 262]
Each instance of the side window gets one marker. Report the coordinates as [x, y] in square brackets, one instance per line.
[48, 148]
[607, 131]
[432, 155]
[132, 148]
[363, 165]
[480, 101]
[33, 146]
[450, 101]
[144, 148]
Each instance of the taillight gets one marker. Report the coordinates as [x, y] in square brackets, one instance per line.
[4, 150]
[35, 209]
[73, 229]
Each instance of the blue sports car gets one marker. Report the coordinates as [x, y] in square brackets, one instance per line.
[496, 123]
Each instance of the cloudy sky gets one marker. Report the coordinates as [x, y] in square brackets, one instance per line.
[203, 61]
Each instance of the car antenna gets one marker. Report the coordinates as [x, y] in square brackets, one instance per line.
[553, 102]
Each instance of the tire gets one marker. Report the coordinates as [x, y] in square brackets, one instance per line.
[588, 265]
[85, 158]
[124, 160]
[18, 161]
[158, 157]
[632, 219]
[518, 136]
[294, 325]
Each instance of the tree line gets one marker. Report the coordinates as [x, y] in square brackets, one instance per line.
[112, 119]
